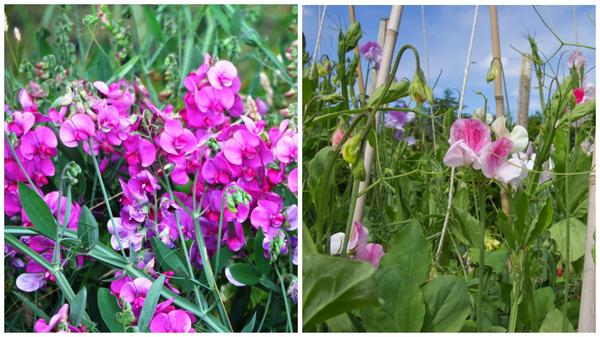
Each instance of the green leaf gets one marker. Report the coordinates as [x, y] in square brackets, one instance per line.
[249, 327]
[396, 91]
[167, 258]
[78, 307]
[542, 222]
[554, 322]
[187, 56]
[245, 273]
[87, 229]
[152, 23]
[150, 304]
[411, 252]
[223, 21]
[403, 307]
[109, 308]
[334, 285]
[558, 232]
[37, 211]
[469, 226]
[262, 264]
[447, 304]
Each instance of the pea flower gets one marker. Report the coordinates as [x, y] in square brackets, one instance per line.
[576, 59]
[57, 323]
[224, 75]
[358, 245]
[467, 138]
[175, 139]
[40, 143]
[396, 120]
[76, 129]
[174, 321]
[21, 124]
[134, 293]
[372, 52]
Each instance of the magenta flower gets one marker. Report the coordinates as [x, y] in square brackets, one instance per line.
[127, 233]
[76, 129]
[22, 123]
[139, 152]
[142, 184]
[370, 252]
[217, 170]
[494, 163]
[268, 215]
[372, 52]
[287, 148]
[224, 75]
[117, 94]
[235, 239]
[211, 104]
[176, 139]
[244, 148]
[57, 323]
[467, 138]
[135, 292]
[174, 321]
[40, 143]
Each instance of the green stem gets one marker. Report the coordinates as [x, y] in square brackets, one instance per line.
[106, 198]
[348, 230]
[285, 300]
[516, 290]
[61, 227]
[482, 220]
[262, 321]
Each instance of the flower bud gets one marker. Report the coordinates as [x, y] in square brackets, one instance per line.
[419, 91]
[493, 71]
[351, 150]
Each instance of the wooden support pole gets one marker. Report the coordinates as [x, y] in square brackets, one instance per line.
[524, 91]
[391, 34]
[361, 83]
[498, 84]
[587, 307]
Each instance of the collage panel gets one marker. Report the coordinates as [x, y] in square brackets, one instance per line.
[150, 168]
[448, 168]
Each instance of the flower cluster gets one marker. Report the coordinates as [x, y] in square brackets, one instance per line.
[213, 167]
[471, 145]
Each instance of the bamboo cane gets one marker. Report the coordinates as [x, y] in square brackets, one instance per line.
[498, 83]
[361, 84]
[391, 35]
[587, 307]
[524, 91]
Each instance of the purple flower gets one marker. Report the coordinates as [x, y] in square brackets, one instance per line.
[235, 239]
[141, 184]
[174, 321]
[293, 291]
[576, 59]
[397, 120]
[268, 215]
[135, 292]
[176, 139]
[139, 152]
[261, 107]
[372, 52]
[127, 233]
[210, 104]
[76, 129]
[59, 322]
[217, 170]
[244, 148]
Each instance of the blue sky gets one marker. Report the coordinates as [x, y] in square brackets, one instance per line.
[448, 30]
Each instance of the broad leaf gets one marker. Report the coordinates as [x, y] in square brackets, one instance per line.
[150, 303]
[109, 308]
[577, 233]
[447, 304]
[245, 273]
[87, 229]
[167, 258]
[403, 308]
[334, 285]
[78, 307]
[410, 251]
[554, 322]
[37, 211]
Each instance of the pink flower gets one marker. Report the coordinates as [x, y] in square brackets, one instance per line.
[494, 163]
[40, 143]
[371, 252]
[244, 148]
[211, 103]
[576, 59]
[337, 137]
[224, 75]
[22, 123]
[467, 138]
[139, 153]
[176, 139]
[76, 129]
[235, 239]
[127, 232]
[287, 148]
[217, 170]
[174, 321]
[293, 180]
[268, 215]
[58, 322]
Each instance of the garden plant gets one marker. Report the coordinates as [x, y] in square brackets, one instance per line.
[471, 221]
[150, 159]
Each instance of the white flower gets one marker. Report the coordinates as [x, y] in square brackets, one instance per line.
[518, 135]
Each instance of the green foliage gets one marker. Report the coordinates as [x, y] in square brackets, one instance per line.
[447, 304]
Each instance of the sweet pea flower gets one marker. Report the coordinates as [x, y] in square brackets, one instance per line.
[467, 138]
[287, 148]
[337, 136]
[76, 129]
[142, 184]
[293, 181]
[518, 136]
[174, 321]
[235, 239]
[139, 153]
[135, 292]
[494, 163]
[267, 215]
[372, 52]
[217, 170]
[224, 75]
[40, 143]
[261, 107]
[576, 59]
[22, 123]
[371, 252]
[176, 139]
[244, 148]
[127, 232]
[57, 323]
[396, 120]
[211, 104]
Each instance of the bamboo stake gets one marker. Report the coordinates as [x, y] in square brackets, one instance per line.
[498, 84]
[361, 84]
[391, 35]
[524, 91]
[587, 307]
